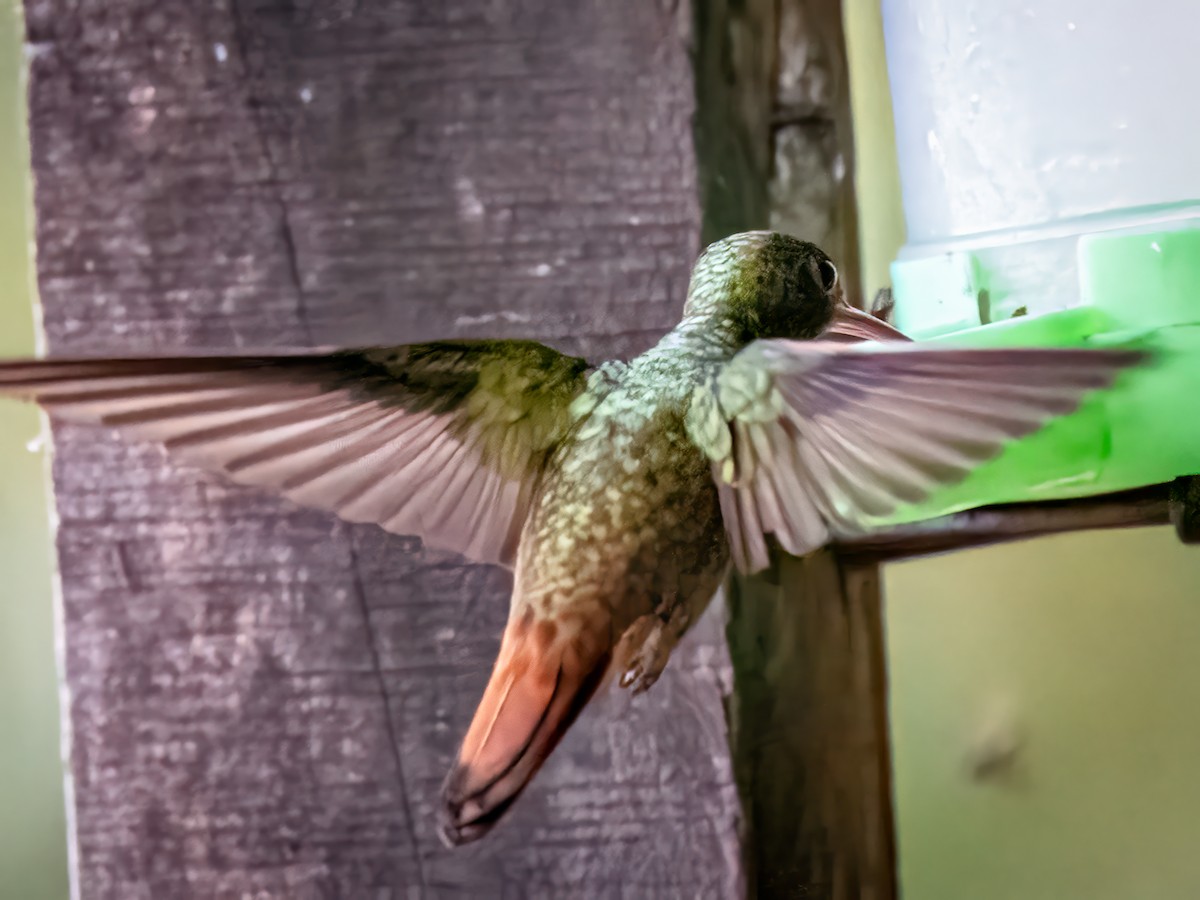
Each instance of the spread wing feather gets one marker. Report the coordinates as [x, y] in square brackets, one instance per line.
[443, 440]
[813, 439]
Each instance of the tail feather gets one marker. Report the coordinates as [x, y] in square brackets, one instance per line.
[541, 681]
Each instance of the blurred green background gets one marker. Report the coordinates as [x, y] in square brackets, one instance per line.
[1043, 695]
[1079, 653]
[33, 854]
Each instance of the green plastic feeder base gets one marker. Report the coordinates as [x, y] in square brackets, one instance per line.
[1139, 289]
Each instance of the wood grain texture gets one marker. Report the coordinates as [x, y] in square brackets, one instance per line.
[811, 191]
[263, 701]
[810, 730]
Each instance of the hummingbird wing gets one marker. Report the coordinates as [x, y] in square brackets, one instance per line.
[442, 440]
[811, 439]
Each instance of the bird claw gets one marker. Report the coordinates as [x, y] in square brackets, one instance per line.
[646, 665]
[647, 645]
[637, 678]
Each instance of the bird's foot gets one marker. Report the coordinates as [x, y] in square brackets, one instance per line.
[647, 644]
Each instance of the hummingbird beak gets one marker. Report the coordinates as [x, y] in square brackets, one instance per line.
[850, 325]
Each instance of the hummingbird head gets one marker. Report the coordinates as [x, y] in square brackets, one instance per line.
[762, 284]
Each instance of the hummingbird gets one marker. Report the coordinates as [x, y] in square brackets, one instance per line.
[774, 417]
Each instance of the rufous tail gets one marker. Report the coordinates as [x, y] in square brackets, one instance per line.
[542, 678]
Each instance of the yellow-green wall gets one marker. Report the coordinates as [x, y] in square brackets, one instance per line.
[876, 175]
[33, 862]
[1080, 651]
[1072, 659]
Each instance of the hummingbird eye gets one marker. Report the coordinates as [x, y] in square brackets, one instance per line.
[829, 275]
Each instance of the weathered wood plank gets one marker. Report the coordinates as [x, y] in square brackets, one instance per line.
[810, 730]
[263, 701]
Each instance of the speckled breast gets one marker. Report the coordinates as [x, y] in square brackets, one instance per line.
[628, 514]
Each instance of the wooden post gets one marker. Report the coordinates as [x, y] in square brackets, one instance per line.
[808, 715]
[263, 701]
[810, 729]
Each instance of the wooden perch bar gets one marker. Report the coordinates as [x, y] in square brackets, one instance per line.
[1184, 508]
[1014, 521]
